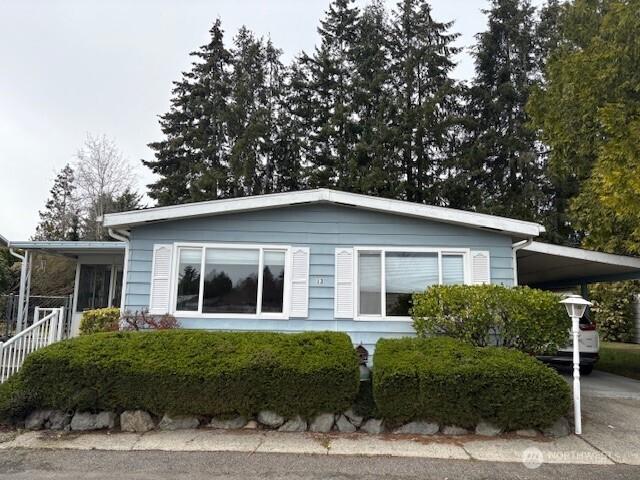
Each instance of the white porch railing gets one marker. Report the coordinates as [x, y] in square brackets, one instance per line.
[43, 332]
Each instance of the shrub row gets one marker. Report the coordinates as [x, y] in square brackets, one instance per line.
[189, 372]
[450, 382]
[524, 318]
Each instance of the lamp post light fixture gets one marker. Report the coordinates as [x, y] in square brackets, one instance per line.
[576, 306]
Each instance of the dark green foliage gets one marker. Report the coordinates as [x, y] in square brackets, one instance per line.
[450, 382]
[364, 404]
[60, 219]
[193, 372]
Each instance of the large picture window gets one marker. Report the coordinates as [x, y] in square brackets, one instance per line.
[387, 278]
[223, 280]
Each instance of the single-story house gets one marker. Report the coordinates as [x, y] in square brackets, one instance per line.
[311, 260]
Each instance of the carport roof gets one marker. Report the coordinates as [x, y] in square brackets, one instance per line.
[70, 248]
[546, 265]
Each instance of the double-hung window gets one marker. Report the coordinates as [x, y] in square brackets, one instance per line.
[220, 280]
[387, 277]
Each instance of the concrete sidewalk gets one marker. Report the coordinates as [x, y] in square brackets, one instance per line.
[568, 450]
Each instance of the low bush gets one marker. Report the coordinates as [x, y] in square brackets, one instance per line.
[144, 321]
[191, 372]
[451, 382]
[100, 320]
[524, 318]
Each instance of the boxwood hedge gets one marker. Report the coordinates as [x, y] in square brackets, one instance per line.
[189, 372]
[451, 382]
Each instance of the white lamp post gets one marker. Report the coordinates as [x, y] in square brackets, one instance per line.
[576, 306]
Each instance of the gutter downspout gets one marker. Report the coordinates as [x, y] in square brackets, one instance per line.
[517, 246]
[24, 259]
[122, 236]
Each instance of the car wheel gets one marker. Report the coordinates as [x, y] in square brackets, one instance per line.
[586, 369]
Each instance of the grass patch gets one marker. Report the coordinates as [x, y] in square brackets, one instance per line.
[620, 358]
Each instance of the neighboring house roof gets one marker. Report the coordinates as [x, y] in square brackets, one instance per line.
[517, 228]
[544, 264]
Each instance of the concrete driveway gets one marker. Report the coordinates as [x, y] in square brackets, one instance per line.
[611, 415]
[607, 385]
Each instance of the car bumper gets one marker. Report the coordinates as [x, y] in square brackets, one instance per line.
[565, 359]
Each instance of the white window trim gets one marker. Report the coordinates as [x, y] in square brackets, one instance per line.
[383, 317]
[231, 246]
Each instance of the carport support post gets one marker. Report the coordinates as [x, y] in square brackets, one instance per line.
[577, 414]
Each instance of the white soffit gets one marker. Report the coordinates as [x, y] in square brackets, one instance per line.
[132, 218]
[583, 254]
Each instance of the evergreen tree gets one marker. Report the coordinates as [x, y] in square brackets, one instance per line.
[422, 51]
[332, 129]
[375, 169]
[503, 144]
[60, 218]
[192, 160]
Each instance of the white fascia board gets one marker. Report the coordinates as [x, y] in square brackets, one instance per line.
[67, 245]
[274, 200]
[583, 254]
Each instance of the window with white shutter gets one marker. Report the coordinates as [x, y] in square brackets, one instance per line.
[480, 267]
[160, 279]
[344, 283]
[299, 282]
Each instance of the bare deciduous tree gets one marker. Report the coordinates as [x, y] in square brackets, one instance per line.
[102, 175]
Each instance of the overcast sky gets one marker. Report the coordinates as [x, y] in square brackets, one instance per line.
[106, 67]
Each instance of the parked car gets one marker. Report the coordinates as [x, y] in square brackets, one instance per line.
[589, 349]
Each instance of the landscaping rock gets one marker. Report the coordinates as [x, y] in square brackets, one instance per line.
[270, 419]
[251, 425]
[356, 420]
[323, 423]
[527, 432]
[228, 423]
[83, 421]
[372, 426]
[178, 422]
[344, 425]
[136, 421]
[37, 419]
[106, 420]
[419, 428]
[296, 424]
[487, 429]
[454, 430]
[559, 429]
[58, 420]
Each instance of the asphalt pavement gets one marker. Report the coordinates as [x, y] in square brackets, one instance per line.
[28, 464]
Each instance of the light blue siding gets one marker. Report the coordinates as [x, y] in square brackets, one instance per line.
[322, 228]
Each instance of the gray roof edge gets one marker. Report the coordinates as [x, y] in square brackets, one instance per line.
[67, 245]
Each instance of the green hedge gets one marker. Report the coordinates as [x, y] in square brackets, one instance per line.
[524, 318]
[190, 372]
[451, 382]
[100, 320]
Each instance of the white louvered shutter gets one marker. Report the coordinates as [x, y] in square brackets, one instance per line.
[160, 279]
[344, 283]
[480, 268]
[299, 282]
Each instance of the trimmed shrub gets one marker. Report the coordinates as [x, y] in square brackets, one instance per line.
[524, 318]
[451, 382]
[100, 320]
[193, 373]
[613, 310]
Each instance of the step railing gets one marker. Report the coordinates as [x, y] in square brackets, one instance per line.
[43, 332]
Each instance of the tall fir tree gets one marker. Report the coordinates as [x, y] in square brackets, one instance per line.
[60, 219]
[192, 160]
[422, 54]
[503, 143]
[332, 129]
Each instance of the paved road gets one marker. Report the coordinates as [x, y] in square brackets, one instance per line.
[102, 465]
